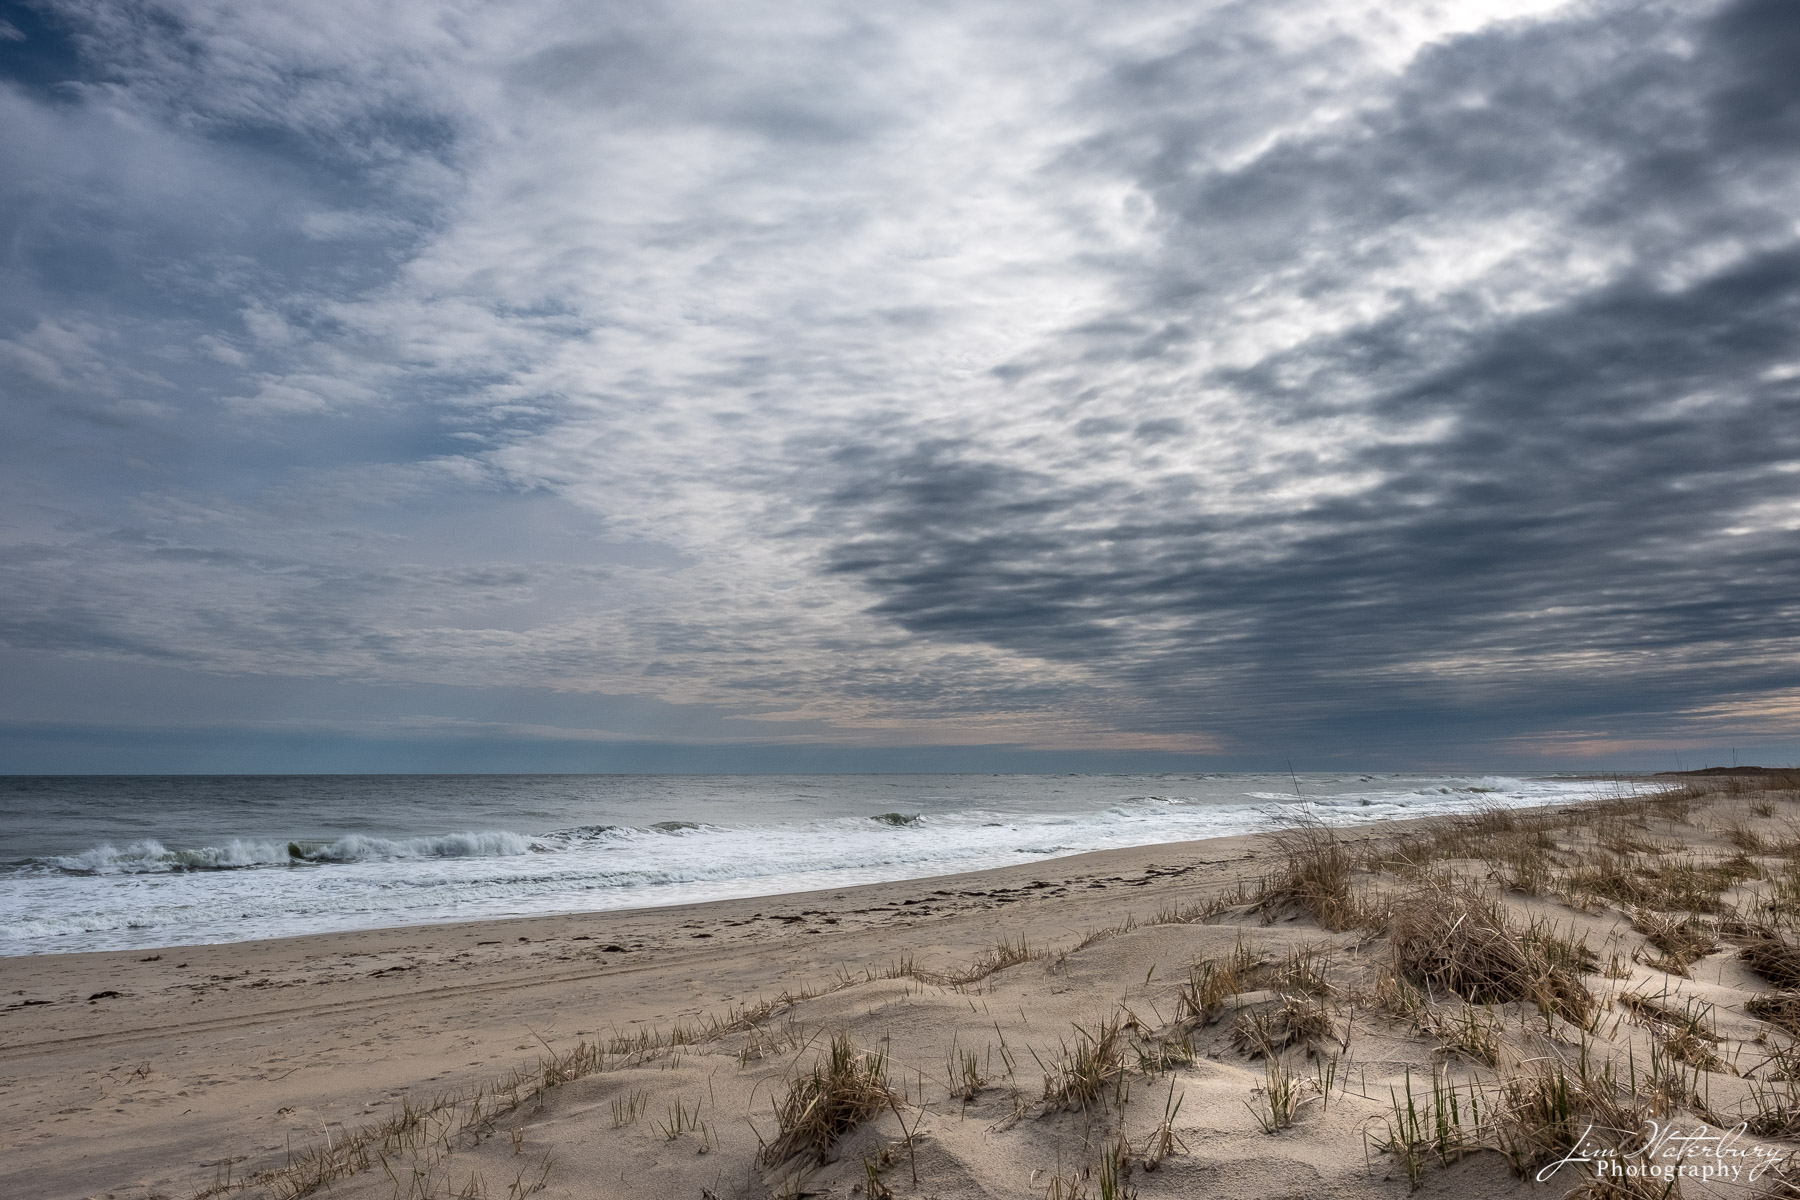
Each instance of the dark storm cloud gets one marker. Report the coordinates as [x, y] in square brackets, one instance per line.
[1584, 526]
[1296, 375]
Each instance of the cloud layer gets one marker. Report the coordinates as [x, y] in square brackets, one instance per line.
[1416, 382]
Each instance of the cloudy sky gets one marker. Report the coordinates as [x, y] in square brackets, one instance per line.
[612, 385]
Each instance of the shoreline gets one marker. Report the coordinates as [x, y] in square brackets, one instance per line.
[1002, 887]
[839, 893]
[185, 1053]
[165, 1074]
[45, 945]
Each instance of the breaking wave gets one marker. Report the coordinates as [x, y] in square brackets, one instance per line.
[143, 893]
[149, 856]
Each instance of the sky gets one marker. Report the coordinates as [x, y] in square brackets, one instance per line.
[1049, 385]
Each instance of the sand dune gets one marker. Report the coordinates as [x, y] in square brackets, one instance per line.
[1443, 1007]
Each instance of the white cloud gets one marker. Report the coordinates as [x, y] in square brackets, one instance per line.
[679, 267]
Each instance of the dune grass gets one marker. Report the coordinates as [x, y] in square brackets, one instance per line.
[1315, 879]
[1451, 939]
[1433, 916]
[845, 1087]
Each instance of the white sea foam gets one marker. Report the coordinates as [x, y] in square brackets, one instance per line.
[490, 843]
[149, 856]
[145, 894]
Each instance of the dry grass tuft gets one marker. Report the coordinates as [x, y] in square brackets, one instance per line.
[1743, 838]
[1529, 867]
[1544, 1114]
[1396, 996]
[1568, 953]
[1667, 884]
[1687, 1034]
[1783, 1063]
[1294, 1021]
[1465, 1029]
[1631, 1187]
[846, 1087]
[1211, 983]
[1193, 912]
[1777, 1110]
[1680, 941]
[1306, 971]
[1280, 1097]
[1769, 955]
[1444, 1124]
[1676, 804]
[1090, 1069]
[1452, 939]
[1207, 988]
[1004, 954]
[422, 1134]
[967, 1073]
[1158, 1053]
[1780, 1009]
[1489, 820]
[1164, 1141]
[1315, 879]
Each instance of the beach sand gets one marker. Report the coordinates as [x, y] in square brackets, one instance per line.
[1099, 1025]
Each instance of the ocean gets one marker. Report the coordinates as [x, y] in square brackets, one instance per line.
[120, 862]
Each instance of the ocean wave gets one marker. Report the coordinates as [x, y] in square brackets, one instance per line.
[142, 893]
[491, 843]
[147, 856]
[1446, 795]
[587, 833]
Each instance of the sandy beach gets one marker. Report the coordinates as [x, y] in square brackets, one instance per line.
[1234, 1017]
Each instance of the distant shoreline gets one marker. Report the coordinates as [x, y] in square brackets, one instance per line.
[1706, 772]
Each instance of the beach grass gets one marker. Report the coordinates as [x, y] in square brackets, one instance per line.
[1484, 995]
